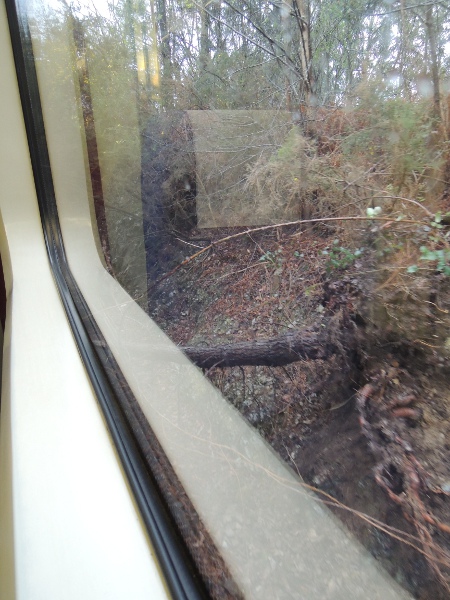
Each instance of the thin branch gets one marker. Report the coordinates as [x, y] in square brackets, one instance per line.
[384, 197]
[292, 66]
[396, 10]
[276, 226]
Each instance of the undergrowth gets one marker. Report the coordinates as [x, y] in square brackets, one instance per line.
[380, 155]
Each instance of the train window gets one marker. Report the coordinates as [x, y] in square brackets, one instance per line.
[261, 189]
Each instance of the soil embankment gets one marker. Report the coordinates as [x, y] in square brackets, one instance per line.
[335, 371]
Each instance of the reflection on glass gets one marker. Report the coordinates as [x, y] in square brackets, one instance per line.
[269, 182]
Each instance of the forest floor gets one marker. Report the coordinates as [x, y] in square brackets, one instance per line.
[369, 425]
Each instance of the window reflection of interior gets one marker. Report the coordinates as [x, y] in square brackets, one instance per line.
[276, 539]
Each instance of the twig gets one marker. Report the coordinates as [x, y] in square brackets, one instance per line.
[385, 196]
[266, 228]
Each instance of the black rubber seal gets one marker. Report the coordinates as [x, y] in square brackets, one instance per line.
[181, 574]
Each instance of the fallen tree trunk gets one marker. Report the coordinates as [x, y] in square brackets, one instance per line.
[274, 352]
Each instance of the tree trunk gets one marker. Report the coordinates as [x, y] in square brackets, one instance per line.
[305, 50]
[274, 352]
[166, 55]
[205, 45]
[431, 34]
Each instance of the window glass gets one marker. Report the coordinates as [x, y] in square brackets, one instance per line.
[266, 183]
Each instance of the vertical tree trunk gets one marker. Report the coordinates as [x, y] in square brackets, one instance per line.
[431, 35]
[403, 42]
[216, 10]
[166, 54]
[204, 53]
[302, 8]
